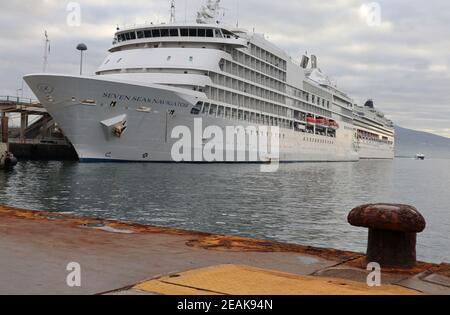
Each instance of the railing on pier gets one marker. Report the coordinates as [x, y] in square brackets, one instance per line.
[19, 100]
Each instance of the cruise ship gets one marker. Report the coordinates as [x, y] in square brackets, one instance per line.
[375, 133]
[161, 79]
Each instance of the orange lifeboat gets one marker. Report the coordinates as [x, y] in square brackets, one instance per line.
[322, 122]
[333, 125]
[310, 120]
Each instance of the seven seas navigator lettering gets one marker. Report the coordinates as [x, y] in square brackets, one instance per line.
[141, 99]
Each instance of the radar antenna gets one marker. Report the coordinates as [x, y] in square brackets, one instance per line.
[172, 11]
[209, 12]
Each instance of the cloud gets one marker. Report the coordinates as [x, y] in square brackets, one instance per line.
[402, 63]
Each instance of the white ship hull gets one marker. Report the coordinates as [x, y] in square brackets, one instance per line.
[372, 150]
[84, 106]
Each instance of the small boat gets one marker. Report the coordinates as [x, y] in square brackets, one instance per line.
[420, 156]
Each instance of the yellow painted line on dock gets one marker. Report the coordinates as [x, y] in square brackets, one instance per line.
[245, 280]
[160, 287]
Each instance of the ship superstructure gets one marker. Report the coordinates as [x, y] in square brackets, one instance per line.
[159, 77]
[375, 133]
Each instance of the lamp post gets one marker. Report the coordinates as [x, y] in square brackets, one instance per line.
[81, 47]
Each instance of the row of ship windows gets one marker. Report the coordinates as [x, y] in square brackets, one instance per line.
[323, 95]
[267, 56]
[376, 140]
[365, 135]
[256, 64]
[245, 101]
[315, 140]
[319, 91]
[240, 71]
[253, 103]
[270, 95]
[312, 109]
[315, 100]
[239, 114]
[343, 103]
[248, 74]
[244, 87]
[174, 32]
[309, 97]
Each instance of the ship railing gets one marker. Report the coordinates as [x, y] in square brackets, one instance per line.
[18, 100]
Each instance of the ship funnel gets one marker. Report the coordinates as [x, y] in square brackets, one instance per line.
[314, 61]
[305, 62]
[369, 104]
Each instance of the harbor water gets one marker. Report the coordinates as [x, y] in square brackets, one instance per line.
[305, 203]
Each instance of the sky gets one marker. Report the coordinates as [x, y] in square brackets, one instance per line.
[396, 52]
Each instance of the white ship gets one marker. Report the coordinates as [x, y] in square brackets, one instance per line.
[159, 77]
[375, 133]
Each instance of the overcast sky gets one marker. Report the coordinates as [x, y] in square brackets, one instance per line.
[402, 63]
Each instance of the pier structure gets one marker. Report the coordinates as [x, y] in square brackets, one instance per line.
[39, 250]
[35, 135]
[23, 108]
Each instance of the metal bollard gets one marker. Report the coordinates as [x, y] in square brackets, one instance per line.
[393, 231]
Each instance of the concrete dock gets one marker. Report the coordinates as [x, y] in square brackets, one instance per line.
[124, 258]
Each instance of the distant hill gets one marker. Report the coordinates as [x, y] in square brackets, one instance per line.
[410, 142]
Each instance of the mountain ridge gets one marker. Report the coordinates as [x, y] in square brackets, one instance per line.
[410, 142]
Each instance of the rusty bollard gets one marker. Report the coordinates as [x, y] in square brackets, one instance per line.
[392, 232]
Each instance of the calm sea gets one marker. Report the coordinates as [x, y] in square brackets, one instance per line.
[301, 203]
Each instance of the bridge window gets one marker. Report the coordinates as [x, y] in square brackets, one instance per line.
[164, 32]
[193, 32]
[156, 33]
[184, 32]
[228, 34]
[197, 109]
[201, 32]
[171, 32]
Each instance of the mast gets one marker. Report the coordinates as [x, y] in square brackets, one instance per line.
[46, 52]
[237, 13]
[172, 11]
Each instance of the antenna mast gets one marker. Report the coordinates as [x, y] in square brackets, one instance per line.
[237, 13]
[46, 52]
[172, 11]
